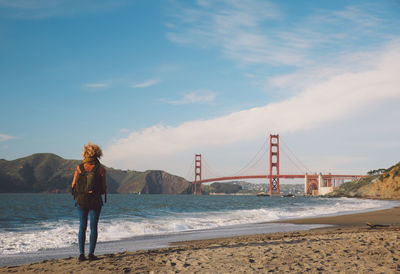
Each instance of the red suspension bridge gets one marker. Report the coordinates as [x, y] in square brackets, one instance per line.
[314, 183]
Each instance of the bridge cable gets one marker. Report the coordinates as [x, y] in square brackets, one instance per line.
[255, 156]
[189, 173]
[213, 172]
[258, 161]
[300, 162]
[263, 155]
[299, 168]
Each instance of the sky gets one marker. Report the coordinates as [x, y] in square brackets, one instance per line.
[155, 82]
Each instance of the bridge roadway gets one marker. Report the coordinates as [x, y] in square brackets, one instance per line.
[283, 176]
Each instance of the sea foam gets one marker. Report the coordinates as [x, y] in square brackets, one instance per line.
[63, 233]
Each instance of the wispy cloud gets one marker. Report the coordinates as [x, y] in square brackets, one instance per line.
[124, 130]
[298, 80]
[40, 9]
[359, 16]
[247, 31]
[147, 83]
[121, 82]
[234, 26]
[197, 96]
[335, 97]
[4, 137]
[95, 86]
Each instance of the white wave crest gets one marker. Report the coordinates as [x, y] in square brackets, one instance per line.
[64, 234]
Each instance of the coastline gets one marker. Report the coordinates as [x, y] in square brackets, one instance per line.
[347, 245]
[390, 216]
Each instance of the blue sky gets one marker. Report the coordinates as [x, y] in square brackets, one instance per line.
[154, 82]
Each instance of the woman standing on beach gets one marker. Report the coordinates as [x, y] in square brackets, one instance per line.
[88, 184]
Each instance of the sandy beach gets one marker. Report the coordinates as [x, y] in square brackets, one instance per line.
[349, 247]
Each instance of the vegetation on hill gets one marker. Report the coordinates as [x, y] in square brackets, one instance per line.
[45, 172]
[243, 187]
[227, 188]
[384, 185]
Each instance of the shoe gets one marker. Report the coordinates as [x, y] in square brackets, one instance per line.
[92, 257]
[82, 258]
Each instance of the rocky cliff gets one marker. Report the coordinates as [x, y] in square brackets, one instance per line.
[45, 172]
[381, 186]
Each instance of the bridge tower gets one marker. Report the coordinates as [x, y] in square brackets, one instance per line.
[274, 164]
[197, 174]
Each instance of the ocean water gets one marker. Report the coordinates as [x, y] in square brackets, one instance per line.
[32, 223]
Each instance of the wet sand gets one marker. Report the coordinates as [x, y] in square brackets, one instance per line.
[384, 217]
[349, 247]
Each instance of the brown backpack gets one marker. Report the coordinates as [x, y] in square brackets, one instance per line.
[87, 189]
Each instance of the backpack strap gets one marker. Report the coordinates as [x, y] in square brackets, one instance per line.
[96, 167]
[82, 168]
[83, 171]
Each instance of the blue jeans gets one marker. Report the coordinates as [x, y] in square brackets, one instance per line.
[94, 216]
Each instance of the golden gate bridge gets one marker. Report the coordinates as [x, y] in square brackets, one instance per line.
[271, 153]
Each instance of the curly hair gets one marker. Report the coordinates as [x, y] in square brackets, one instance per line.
[92, 151]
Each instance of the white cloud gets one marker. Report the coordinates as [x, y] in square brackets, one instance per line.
[147, 83]
[335, 98]
[4, 137]
[96, 85]
[351, 63]
[197, 96]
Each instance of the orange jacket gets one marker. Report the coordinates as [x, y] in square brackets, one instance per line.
[89, 167]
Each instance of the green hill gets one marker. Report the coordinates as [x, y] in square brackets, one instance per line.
[381, 186]
[46, 172]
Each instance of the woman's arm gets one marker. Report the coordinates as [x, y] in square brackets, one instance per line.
[77, 170]
[103, 180]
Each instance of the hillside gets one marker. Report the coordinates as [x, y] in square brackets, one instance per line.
[45, 172]
[249, 188]
[381, 186]
[227, 188]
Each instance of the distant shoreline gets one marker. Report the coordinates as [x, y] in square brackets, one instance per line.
[389, 216]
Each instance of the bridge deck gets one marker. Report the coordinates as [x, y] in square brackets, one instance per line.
[283, 176]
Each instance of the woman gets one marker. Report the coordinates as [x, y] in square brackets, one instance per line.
[88, 185]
